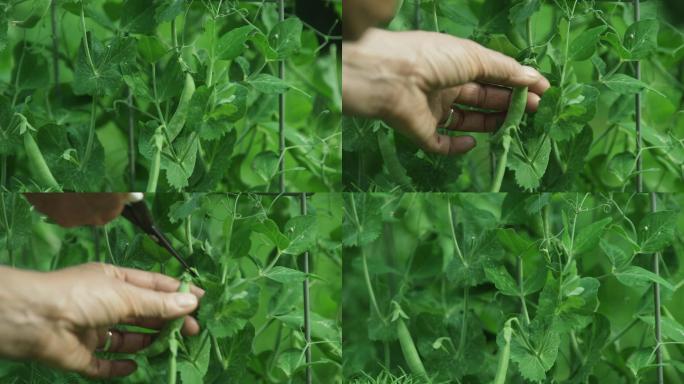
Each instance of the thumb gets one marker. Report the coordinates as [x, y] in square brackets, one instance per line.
[146, 303]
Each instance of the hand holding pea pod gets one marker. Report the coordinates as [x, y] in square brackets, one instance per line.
[414, 80]
[71, 310]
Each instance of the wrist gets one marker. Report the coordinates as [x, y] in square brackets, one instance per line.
[23, 320]
[373, 81]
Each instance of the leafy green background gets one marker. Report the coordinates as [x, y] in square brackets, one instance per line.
[230, 142]
[253, 306]
[574, 270]
[584, 130]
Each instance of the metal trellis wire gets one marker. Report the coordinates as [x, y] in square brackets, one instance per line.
[656, 303]
[307, 304]
[281, 114]
[303, 199]
[637, 110]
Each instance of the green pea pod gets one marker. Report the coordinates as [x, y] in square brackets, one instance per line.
[504, 354]
[178, 120]
[36, 162]
[29, 13]
[161, 343]
[389, 155]
[408, 348]
[516, 110]
[155, 165]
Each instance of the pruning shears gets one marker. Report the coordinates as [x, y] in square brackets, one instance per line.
[137, 213]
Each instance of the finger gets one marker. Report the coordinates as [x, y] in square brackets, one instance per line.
[152, 280]
[104, 369]
[471, 121]
[145, 303]
[490, 97]
[448, 145]
[190, 327]
[124, 342]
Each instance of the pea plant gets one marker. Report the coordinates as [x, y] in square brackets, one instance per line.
[610, 122]
[513, 288]
[167, 95]
[269, 265]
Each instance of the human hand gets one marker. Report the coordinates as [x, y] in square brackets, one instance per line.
[411, 80]
[359, 15]
[76, 209]
[60, 318]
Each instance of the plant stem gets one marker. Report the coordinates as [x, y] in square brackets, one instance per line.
[526, 315]
[453, 235]
[85, 40]
[91, 135]
[501, 164]
[464, 324]
[174, 36]
[188, 232]
[369, 287]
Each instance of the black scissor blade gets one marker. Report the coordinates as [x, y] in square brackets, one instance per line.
[160, 239]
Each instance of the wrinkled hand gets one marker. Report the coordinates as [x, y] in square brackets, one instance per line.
[62, 317]
[411, 80]
[75, 209]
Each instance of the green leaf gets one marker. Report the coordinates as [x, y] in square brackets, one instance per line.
[656, 231]
[105, 77]
[502, 280]
[634, 276]
[640, 359]
[537, 357]
[168, 10]
[362, 219]
[286, 37]
[64, 149]
[301, 231]
[266, 165]
[285, 275]
[588, 236]
[523, 10]
[641, 39]
[671, 328]
[139, 17]
[232, 44]
[624, 84]
[178, 172]
[32, 70]
[227, 311]
[529, 172]
[151, 49]
[584, 46]
[269, 228]
[622, 166]
[10, 137]
[269, 84]
[290, 361]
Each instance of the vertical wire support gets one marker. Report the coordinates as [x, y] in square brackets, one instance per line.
[55, 47]
[416, 15]
[131, 142]
[637, 110]
[281, 106]
[307, 302]
[656, 303]
[96, 243]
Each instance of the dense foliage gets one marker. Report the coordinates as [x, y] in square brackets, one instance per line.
[248, 251]
[583, 137]
[553, 288]
[167, 95]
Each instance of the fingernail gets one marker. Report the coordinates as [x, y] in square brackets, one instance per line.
[531, 72]
[186, 300]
